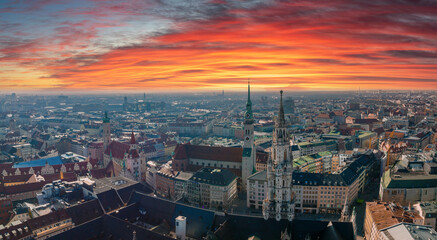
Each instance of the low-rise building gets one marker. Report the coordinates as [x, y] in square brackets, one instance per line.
[308, 148]
[408, 231]
[404, 185]
[50, 224]
[428, 210]
[322, 162]
[380, 215]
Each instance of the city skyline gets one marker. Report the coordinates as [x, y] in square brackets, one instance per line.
[170, 45]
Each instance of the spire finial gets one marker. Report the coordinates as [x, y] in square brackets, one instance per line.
[248, 118]
[281, 118]
[132, 137]
[248, 90]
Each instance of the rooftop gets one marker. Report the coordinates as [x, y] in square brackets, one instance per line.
[220, 177]
[381, 215]
[409, 231]
[117, 183]
[40, 162]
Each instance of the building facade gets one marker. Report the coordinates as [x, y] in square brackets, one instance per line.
[278, 202]
[213, 188]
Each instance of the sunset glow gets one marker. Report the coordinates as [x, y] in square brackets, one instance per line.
[196, 45]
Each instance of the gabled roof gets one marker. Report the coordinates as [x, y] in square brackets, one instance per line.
[118, 149]
[48, 219]
[357, 167]
[85, 212]
[219, 177]
[227, 154]
[16, 178]
[29, 187]
[110, 200]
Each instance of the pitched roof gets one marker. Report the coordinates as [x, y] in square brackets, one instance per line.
[29, 187]
[44, 220]
[85, 212]
[220, 177]
[17, 178]
[118, 149]
[227, 154]
[110, 200]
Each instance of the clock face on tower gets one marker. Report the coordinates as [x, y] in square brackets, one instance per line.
[247, 138]
[247, 115]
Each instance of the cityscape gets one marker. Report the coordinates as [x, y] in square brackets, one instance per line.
[218, 120]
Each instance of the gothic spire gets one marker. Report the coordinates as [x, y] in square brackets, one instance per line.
[280, 122]
[132, 138]
[248, 117]
[248, 92]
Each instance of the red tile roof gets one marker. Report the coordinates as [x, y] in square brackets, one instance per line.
[118, 149]
[29, 187]
[17, 178]
[227, 154]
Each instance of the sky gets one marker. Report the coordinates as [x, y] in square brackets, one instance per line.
[210, 45]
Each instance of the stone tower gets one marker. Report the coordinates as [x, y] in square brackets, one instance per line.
[279, 202]
[249, 151]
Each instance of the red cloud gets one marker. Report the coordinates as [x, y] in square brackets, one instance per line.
[300, 45]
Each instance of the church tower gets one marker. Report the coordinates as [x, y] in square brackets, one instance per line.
[106, 131]
[249, 151]
[279, 203]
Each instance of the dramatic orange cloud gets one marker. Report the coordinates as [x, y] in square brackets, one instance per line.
[295, 45]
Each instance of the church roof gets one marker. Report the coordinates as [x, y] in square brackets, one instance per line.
[226, 154]
[118, 149]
